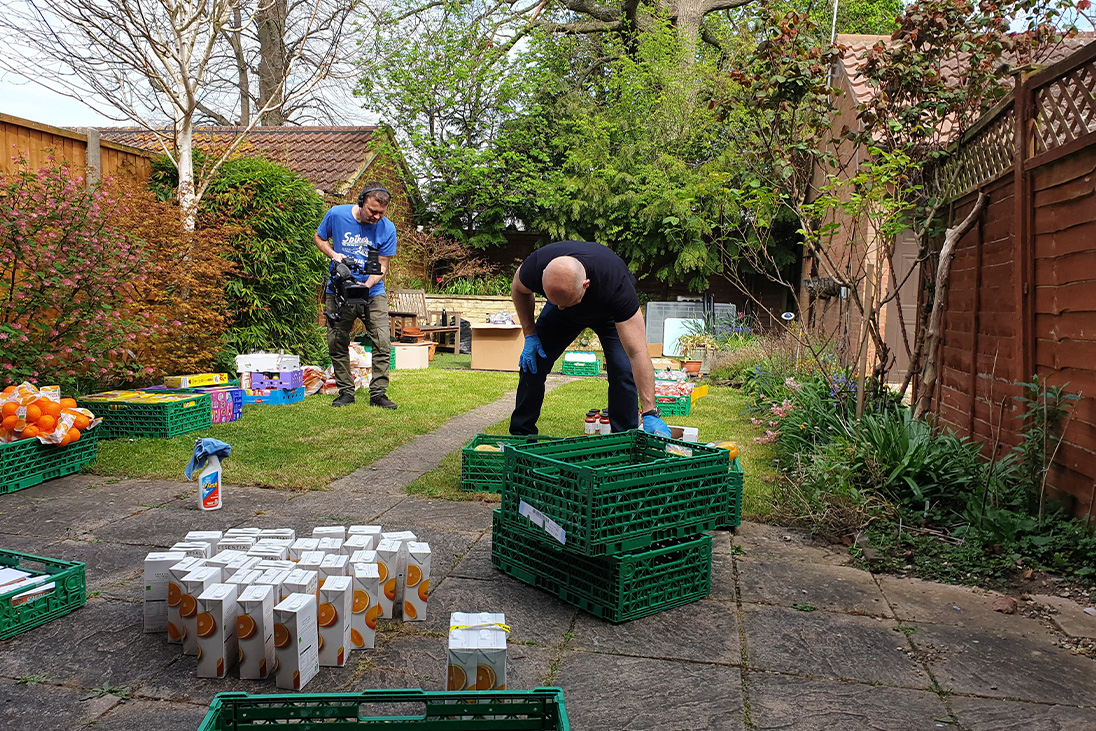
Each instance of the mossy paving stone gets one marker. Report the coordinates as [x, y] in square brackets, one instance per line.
[825, 587]
[48, 707]
[987, 714]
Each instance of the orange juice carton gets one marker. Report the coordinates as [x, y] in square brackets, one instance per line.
[333, 619]
[296, 641]
[216, 629]
[400, 535]
[255, 631]
[275, 578]
[366, 530]
[236, 543]
[302, 581]
[388, 564]
[330, 531]
[311, 560]
[237, 532]
[365, 607]
[330, 544]
[223, 559]
[175, 594]
[244, 578]
[204, 536]
[268, 541]
[363, 557]
[283, 534]
[302, 545]
[193, 584]
[10, 576]
[477, 651]
[196, 549]
[195, 380]
[240, 563]
[270, 563]
[334, 564]
[417, 581]
[355, 543]
[269, 551]
[157, 573]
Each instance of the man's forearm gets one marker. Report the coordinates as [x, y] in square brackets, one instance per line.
[524, 304]
[643, 372]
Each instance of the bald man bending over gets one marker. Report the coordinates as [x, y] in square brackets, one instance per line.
[587, 286]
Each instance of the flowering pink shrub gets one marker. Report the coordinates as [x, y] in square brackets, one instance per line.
[68, 281]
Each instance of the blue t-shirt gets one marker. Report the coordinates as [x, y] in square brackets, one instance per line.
[350, 237]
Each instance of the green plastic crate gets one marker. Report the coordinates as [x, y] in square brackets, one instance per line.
[162, 421]
[618, 492]
[391, 710]
[581, 368]
[675, 405]
[734, 490]
[616, 588]
[69, 592]
[483, 471]
[28, 462]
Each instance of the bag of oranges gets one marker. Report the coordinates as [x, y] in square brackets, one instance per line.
[29, 412]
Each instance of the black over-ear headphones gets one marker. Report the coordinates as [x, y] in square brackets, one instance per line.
[367, 191]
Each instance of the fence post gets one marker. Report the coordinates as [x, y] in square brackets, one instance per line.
[1022, 231]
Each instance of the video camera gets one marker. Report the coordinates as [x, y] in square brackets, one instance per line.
[345, 287]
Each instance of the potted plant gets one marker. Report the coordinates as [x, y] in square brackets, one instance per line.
[698, 348]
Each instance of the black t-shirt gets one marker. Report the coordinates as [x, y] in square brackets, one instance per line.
[612, 290]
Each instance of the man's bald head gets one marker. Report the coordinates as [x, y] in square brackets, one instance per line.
[564, 281]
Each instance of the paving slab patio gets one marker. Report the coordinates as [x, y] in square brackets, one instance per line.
[877, 652]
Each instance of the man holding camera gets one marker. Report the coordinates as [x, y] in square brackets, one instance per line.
[348, 233]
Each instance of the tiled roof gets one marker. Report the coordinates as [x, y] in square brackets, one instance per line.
[331, 158]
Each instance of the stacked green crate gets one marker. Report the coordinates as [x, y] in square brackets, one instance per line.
[28, 462]
[150, 419]
[613, 524]
[481, 462]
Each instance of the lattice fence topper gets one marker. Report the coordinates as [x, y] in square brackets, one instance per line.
[983, 156]
[1065, 108]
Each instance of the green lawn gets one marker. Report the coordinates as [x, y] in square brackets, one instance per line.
[305, 446]
[717, 416]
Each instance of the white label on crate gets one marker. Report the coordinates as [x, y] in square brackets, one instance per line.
[555, 530]
[531, 513]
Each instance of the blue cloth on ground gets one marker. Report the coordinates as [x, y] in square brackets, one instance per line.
[203, 450]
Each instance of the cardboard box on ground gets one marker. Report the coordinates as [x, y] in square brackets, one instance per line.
[321, 380]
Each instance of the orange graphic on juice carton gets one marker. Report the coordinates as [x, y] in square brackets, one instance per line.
[175, 596]
[389, 554]
[333, 619]
[216, 629]
[255, 632]
[193, 584]
[416, 581]
[477, 651]
[365, 606]
[296, 641]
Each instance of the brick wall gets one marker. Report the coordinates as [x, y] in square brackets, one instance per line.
[477, 308]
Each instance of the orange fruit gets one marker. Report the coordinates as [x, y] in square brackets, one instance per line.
[281, 635]
[33, 414]
[174, 595]
[424, 590]
[188, 605]
[30, 432]
[10, 422]
[390, 588]
[356, 638]
[10, 408]
[8, 390]
[409, 611]
[361, 601]
[382, 568]
[485, 677]
[73, 435]
[46, 423]
[245, 626]
[206, 624]
[326, 615]
[456, 678]
[64, 440]
[414, 575]
[81, 422]
[68, 403]
[371, 616]
[53, 408]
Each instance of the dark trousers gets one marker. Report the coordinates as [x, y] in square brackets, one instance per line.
[374, 316]
[557, 331]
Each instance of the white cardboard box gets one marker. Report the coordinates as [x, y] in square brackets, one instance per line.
[267, 362]
[330, 531]
[157, 573]
[416, 582]
[365, 607]
[388, 563]
[302, 581]
[216, 628]
[411, 357]
[296, 641]
[358, 542]
[334, 564]
[255, 632]
[302, 545]
[333, 619]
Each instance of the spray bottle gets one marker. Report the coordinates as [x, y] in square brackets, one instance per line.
[209, 484]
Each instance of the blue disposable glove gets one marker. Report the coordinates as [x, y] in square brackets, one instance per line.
[654, 425]
[529, 353]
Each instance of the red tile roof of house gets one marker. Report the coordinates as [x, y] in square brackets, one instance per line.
[331, 158]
